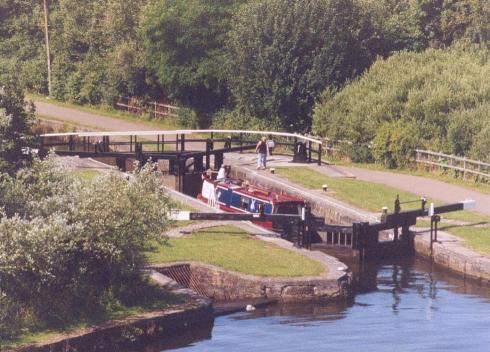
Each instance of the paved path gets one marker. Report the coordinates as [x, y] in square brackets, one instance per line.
[423, 186]
[98, 122]
[415, 184]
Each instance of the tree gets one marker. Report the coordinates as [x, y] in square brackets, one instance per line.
[184, 42]
[22, 47]
[396, 26]
[284, 53]
[15, 124]
[97, 51]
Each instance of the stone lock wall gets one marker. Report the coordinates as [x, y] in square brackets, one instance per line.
[455, 257]
[223, 285]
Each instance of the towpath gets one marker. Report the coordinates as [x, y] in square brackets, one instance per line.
[416, 184]
[421, 186]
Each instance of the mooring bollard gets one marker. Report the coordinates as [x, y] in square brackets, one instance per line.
[384, 214]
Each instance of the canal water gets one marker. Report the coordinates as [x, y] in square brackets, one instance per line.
[407, 306]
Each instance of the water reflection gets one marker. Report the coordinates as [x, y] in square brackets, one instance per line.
[407, 305]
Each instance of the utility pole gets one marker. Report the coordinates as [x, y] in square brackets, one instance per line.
[48, 55]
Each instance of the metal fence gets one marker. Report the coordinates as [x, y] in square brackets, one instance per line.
[461, 164]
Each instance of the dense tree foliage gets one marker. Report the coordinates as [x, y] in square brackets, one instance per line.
[22, 47]
[437, 99]
[97, 52]
[185, 43]
[67, 245]
[249, 62]
[284, 53]
[16, 119]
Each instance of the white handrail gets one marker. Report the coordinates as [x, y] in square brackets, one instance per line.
[175, 132]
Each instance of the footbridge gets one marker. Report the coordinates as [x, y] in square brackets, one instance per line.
[181, 155]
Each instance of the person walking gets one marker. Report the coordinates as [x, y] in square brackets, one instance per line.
[263, 151]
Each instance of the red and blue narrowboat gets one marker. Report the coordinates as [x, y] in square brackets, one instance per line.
[236, 196]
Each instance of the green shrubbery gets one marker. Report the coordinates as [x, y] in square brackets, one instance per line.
[437, 99]
[69, 247]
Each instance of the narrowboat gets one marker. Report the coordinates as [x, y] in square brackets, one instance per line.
[236, 196]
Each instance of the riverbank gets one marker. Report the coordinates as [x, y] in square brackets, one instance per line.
[195, 313]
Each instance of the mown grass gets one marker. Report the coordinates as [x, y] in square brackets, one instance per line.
[372, 196]
[232, 249]
[86, 175]
[366, 195]
[150, 298]
[164, 124]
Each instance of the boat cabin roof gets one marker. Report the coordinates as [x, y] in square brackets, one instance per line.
[256, 192]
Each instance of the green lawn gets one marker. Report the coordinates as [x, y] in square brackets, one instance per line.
[475, 238]
[232, 249]
[366, 195]
[362, 194]
[86, 174]
[372, 196]
[150, 298]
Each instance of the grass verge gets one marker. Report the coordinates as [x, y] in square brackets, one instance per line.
[362, 194]
[150, 297]
[366, 195]
[232, 249]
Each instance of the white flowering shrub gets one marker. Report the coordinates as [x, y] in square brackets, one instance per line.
[65, 243]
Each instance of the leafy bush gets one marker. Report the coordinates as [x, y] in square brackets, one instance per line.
[481, 145]
[395, 144]
[188, 118]
[438, 98]
[358, 153]
[10, 322]
[16, 119]
[65, 243]
[239, 120]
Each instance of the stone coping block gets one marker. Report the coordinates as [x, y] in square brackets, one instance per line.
[223, 285]
[449, 252]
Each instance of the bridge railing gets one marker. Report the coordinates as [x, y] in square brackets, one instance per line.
[305, 148]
